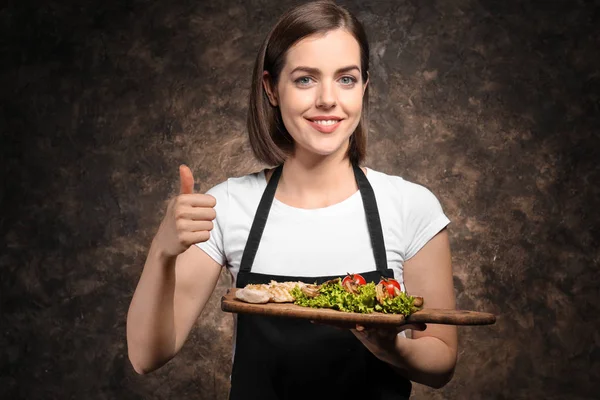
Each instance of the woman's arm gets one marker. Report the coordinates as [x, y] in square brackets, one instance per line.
[429, 357]
[170, 295]
[177, 280]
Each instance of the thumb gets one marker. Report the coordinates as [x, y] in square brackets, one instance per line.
[186, 179]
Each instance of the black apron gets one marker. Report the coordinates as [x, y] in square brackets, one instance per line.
[280, 358]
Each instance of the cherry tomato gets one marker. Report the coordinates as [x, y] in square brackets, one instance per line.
[390, 285]
[356, 278]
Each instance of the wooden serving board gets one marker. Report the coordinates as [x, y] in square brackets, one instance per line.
[431, 316]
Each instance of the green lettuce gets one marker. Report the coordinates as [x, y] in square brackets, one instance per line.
[333, 295]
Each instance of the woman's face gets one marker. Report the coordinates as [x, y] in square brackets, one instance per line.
[320, 92]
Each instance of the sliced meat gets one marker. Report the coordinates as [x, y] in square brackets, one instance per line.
[380, 293]
[253, 295]
[276, 292]
[287, 285]
[311, 290]
[418, 301]
[336, 280]
[350, 286]
[280, 294]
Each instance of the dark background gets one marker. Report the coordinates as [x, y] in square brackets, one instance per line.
[493, 105]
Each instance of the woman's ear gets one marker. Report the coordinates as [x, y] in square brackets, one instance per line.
[268, 85]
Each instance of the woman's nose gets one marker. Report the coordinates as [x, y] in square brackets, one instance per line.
[327, 96]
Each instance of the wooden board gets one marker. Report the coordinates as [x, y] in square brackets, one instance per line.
[431, 316]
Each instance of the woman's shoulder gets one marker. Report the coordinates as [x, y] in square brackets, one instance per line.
[399, 188]
[391, 182]
[241, 185]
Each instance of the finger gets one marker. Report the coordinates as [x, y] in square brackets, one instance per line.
[195, 213]
[194, 226]
[379, 335]
[366, 328]
[186, 180]
[197, 200]
[190, 238]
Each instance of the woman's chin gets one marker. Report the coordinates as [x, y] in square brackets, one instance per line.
[322, 148]
[324, 152]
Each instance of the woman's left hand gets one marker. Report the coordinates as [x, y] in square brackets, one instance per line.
[381, 341]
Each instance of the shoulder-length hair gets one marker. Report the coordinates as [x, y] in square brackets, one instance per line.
[269, 139]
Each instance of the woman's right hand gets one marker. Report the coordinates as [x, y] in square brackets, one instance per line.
[188, 219]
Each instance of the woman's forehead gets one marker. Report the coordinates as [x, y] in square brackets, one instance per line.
[326, 52]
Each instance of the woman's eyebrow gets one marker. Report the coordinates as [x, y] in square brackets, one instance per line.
[316, 71]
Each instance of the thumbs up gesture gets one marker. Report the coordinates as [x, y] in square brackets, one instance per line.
[188, 219]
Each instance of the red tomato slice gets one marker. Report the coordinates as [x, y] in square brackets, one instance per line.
[356, 278]
[390, 285]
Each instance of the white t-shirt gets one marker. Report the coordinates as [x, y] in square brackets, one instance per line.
[327, 241]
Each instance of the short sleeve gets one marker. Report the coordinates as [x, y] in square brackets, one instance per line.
[215, 245]
[424, 218]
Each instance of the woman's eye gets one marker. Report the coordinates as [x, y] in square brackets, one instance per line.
[347, 80]
[305, 80]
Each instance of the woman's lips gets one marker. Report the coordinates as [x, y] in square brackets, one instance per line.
[325, 128]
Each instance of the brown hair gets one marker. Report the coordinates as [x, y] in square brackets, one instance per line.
[269, 139]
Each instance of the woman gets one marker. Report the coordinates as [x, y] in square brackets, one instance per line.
[315, 216]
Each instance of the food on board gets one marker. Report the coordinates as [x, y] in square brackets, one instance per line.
[350, 294]
[274, 292]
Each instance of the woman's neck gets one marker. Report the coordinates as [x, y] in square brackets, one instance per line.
[310, 182]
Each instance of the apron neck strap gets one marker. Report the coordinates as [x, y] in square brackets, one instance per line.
[373, 220]
[260, 220]
[369, 203]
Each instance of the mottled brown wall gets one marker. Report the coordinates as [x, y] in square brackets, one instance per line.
[493, 105]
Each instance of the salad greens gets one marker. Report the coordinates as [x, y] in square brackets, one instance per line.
[333, 295]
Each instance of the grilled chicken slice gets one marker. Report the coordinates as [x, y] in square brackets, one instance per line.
[253, 295]
[276, 292]
[280, 294]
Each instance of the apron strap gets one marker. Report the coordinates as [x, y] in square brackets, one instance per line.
[260, 220]
[373, 220]
[369, 203]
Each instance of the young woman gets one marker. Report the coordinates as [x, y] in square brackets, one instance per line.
[316, 216]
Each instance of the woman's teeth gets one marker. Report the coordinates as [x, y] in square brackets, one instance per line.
[328, 122]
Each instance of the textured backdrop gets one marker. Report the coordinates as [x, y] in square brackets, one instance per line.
[493, 105]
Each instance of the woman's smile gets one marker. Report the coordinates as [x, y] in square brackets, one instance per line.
[325, 124]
